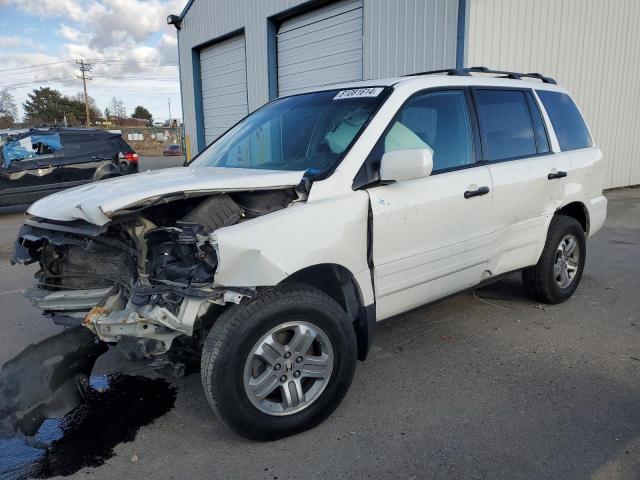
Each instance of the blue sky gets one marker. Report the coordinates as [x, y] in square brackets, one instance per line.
[132, 50]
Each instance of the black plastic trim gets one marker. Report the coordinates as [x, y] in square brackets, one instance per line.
[466, 72]
[364, 328]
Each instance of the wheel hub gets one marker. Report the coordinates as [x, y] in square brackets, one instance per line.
[288, 368]
[567, 261]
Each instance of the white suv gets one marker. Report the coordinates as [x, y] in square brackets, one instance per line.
[270, 257]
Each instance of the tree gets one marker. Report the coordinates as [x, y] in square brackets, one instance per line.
[94, 111]
[8, 110]
[107, 113]
[143, 113]
[117, 108]
[49, 106]
[45, 105]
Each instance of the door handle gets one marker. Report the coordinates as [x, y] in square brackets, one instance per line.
[476, 193]
[554, 175]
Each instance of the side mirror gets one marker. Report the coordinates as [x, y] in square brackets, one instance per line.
[407, 164]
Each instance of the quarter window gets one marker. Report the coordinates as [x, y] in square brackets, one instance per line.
[438, 121]
[506, 130]
[567, 122]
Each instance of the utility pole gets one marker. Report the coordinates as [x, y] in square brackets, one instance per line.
[170, 124]
[84, 68]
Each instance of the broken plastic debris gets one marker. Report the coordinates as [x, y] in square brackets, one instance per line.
[46, 380]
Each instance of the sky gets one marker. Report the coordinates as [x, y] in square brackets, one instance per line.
[132, 50]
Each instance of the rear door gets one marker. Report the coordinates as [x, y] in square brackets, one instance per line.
[431, 235]
[83, 154]
[28, 176]
[516, 148]
[574, 150]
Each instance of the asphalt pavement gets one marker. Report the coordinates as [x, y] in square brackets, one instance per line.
[483, 385]
[155, 162]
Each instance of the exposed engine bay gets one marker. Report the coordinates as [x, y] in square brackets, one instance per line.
[146, 279]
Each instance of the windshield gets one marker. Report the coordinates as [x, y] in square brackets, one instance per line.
[310, 132]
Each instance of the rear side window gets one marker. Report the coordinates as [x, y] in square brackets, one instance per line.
[506, 129]
[570, 128]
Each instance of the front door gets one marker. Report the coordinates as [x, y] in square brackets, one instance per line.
[431, 236]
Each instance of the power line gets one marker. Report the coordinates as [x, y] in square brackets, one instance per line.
[66, 79]
[135, 62]
[101, 62]
[31, 67]
[38, 82]
[141, 92]
[117, 77]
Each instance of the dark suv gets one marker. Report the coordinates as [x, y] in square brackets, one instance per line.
[39, 162]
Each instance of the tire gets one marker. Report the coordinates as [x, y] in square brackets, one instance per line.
[229, 362]
[543, 282]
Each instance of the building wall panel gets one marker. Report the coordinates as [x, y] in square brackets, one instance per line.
[590, 46]
[320, 48]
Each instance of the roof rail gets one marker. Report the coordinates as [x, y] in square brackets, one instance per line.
[466, 72]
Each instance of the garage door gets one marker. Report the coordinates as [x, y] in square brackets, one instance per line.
[320, 47]
[223, 72]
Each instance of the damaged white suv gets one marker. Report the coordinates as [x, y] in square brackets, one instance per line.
[270, 257]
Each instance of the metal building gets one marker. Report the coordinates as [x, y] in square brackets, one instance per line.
[235, 55]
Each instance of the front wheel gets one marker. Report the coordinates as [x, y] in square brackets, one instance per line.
[279, 364]
[559, 270]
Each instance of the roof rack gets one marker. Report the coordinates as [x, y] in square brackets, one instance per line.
[466, 72]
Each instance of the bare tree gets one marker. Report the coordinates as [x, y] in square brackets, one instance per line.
[117, 108]
[8, 109]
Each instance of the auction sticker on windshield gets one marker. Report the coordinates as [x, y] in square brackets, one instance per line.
[358, 93]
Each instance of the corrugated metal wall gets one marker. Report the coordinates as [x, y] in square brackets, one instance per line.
[400, 36]
[407, 36]
[321, 47]
[591, 47]
[223, 73]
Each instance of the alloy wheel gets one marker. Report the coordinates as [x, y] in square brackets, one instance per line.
[567, 261]
[288, 368]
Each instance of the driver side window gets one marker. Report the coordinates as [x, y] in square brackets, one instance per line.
[438, 121]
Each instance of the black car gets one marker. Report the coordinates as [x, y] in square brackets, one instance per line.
[39, 162]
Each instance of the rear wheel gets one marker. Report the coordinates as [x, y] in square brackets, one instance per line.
[559, 270]
[279, 364]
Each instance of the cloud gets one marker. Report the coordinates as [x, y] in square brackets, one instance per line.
[168, 49]
[127, 42]
[18, 42]
[109, 20]
[76, 10]
[73, 35]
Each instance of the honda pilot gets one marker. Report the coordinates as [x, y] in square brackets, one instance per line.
[269, 258]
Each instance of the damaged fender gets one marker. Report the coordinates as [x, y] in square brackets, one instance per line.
[268, 249]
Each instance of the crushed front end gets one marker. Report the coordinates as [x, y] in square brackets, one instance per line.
[145, 280]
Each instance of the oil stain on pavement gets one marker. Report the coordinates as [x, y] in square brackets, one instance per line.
[113, 410]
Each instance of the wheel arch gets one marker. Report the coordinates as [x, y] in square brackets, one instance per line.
[340, 284]
[576, 210]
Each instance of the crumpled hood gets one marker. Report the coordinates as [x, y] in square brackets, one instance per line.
[97, 202]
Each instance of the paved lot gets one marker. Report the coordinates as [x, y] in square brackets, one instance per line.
[156, 162]
[481, 385]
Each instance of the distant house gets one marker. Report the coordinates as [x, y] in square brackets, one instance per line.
[127, 122]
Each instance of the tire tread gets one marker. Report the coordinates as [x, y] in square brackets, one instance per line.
[537, 279]
[230, 322]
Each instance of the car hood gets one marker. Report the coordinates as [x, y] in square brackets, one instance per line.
[97, 202]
